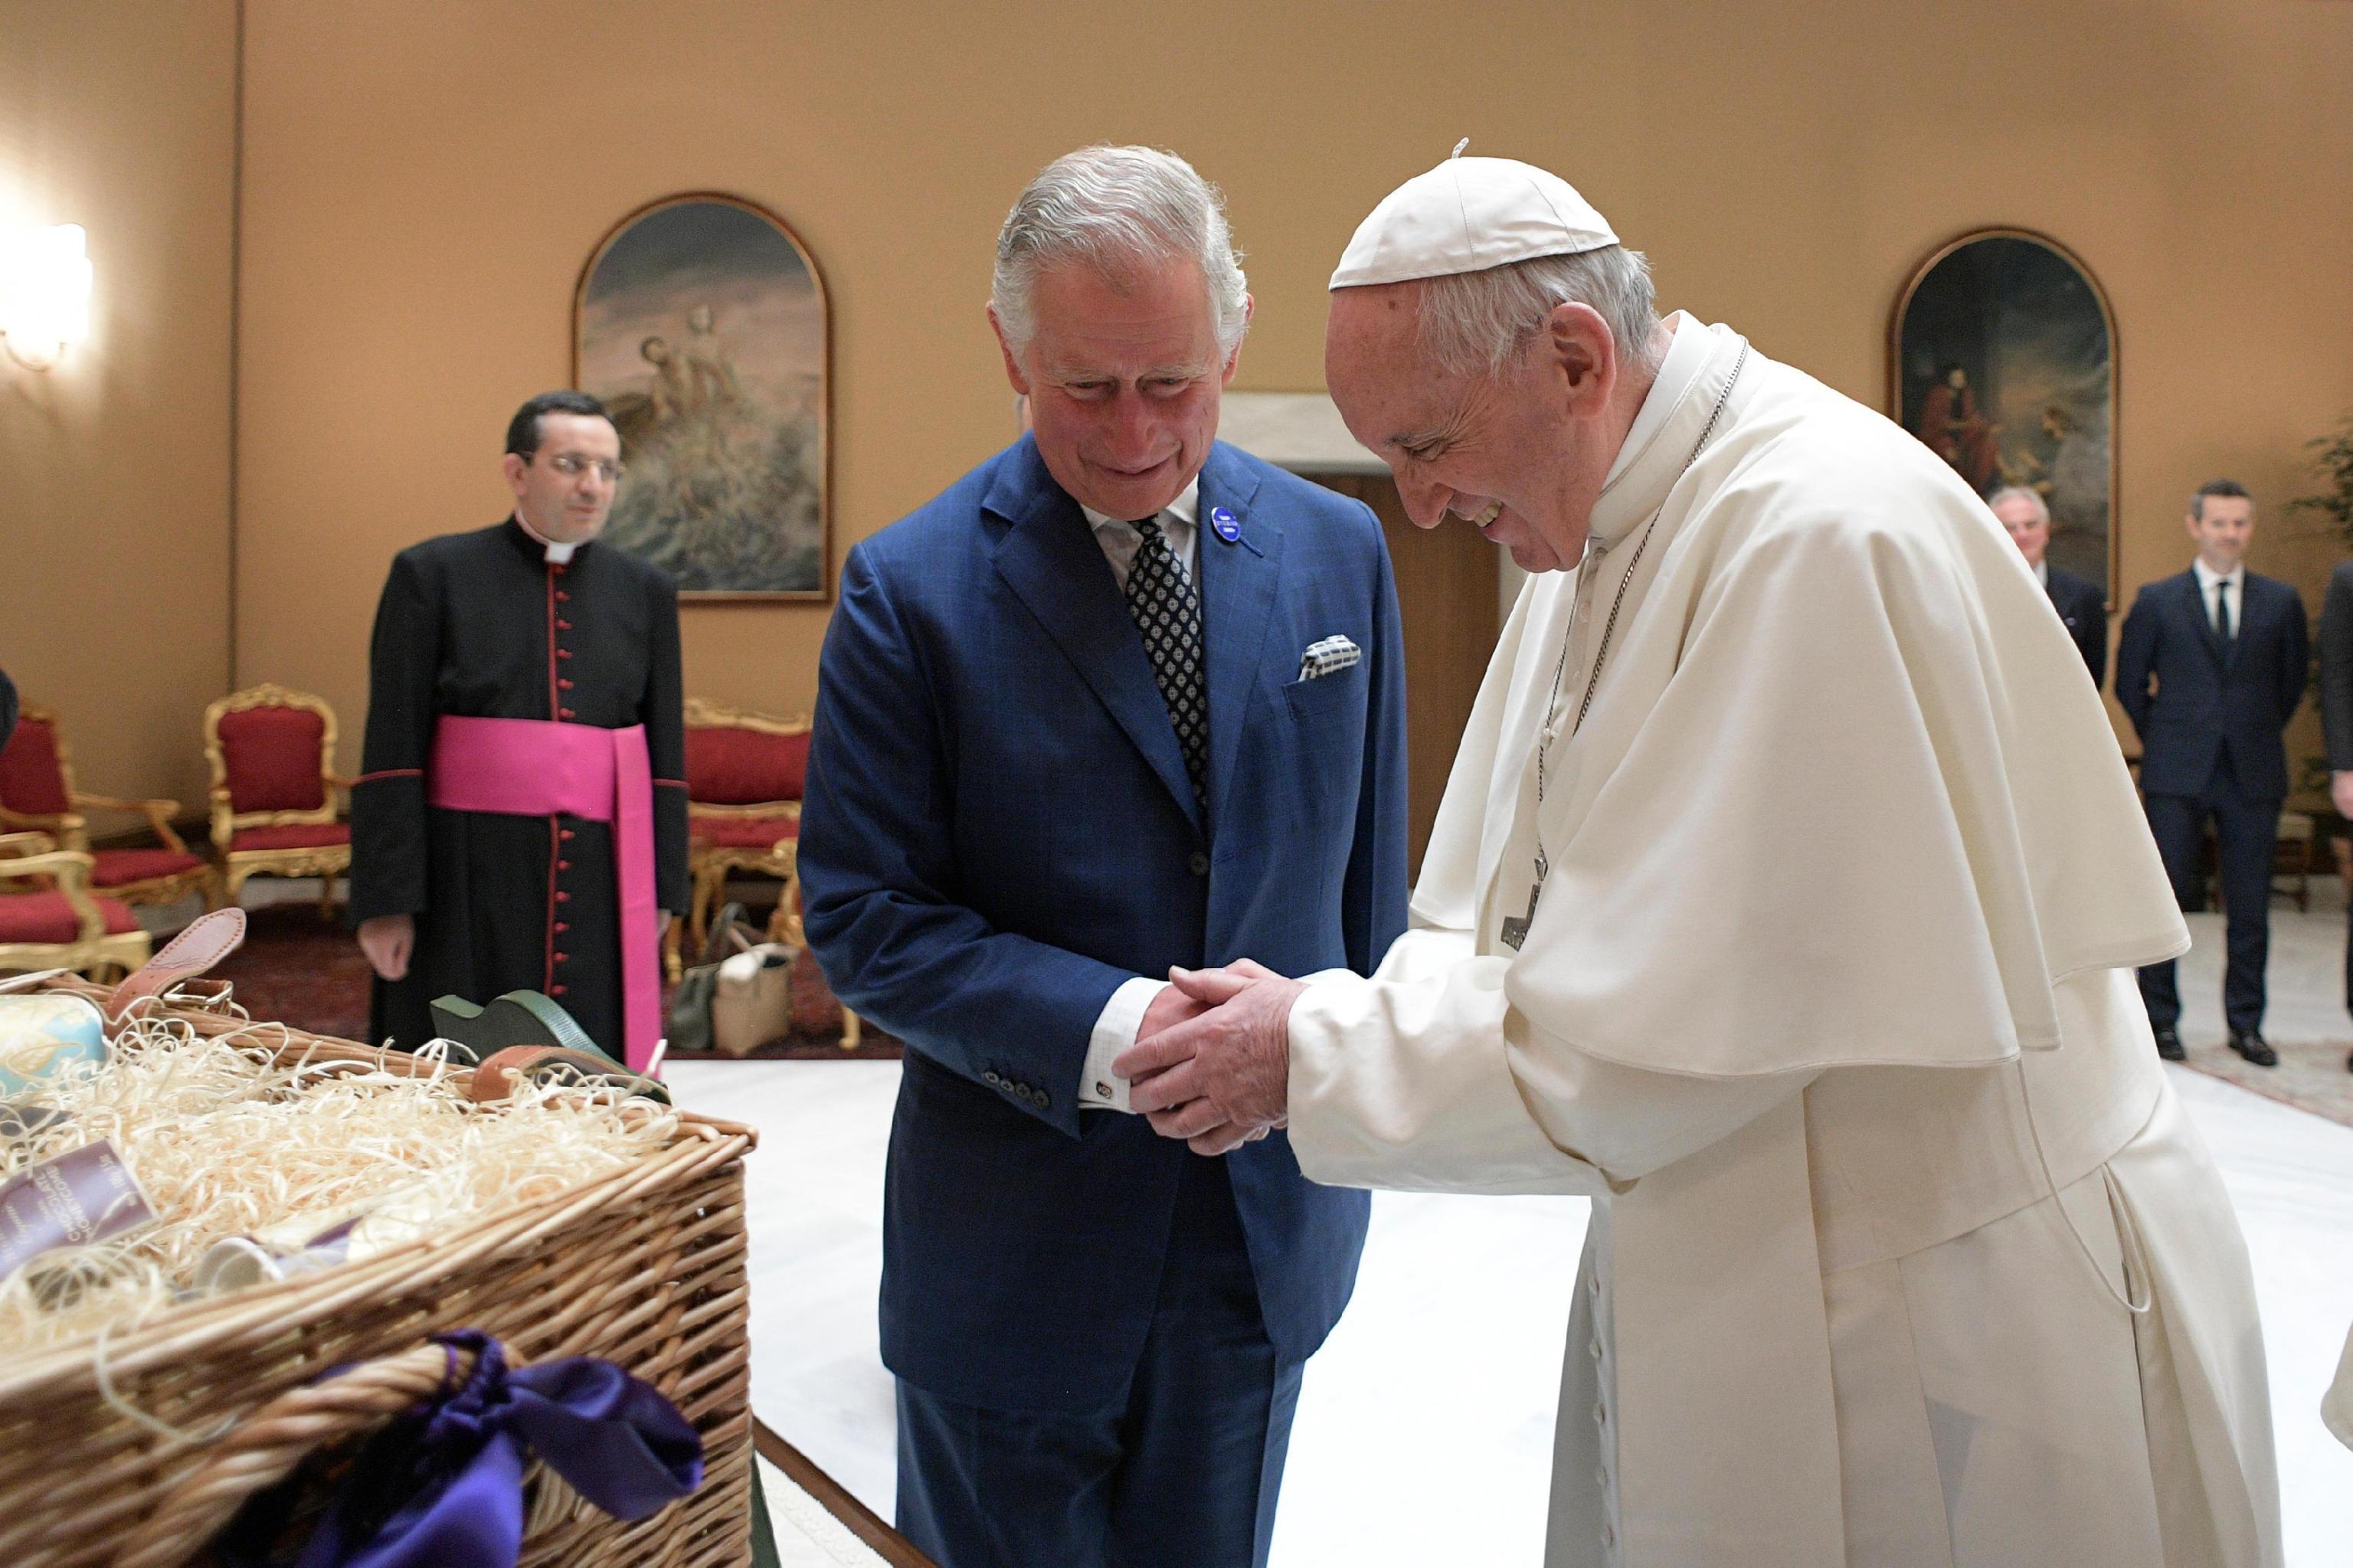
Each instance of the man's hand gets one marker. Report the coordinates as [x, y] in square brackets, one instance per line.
[2340, 792]
[1221, 1079]
[1170, 1008]
[388, 941]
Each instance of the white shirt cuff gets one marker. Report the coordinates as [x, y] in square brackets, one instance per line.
[1099, 1088]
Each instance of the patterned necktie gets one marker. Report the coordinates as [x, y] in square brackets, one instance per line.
[1166, 607]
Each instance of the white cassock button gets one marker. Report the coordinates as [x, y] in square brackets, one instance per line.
[1609, 1536]
[1600, 1415]
[1593, 1287]
[1596, 1348]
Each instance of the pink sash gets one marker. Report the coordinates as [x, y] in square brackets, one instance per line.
[533, 768]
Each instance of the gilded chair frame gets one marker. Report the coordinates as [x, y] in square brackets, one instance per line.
[95, 951]
[711, 866]
[326, 861]
[71, 828]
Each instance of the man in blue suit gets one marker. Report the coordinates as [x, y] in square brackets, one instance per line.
[1120, 699]
[2209, 668]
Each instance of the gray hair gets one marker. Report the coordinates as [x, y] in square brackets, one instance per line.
[1474, 323]
[2019, 492]
[1114, 208]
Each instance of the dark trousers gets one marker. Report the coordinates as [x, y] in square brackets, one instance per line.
[1183, 1475]
[2246, 833]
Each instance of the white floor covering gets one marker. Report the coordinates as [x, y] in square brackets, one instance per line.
[1436, 1393]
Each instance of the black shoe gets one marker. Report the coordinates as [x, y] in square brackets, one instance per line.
[2169, 1046]
[2252, 1046]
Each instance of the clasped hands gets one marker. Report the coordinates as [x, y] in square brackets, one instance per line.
[1211, 1064]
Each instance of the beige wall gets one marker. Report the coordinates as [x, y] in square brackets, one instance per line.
[423, 180]
[114, 467]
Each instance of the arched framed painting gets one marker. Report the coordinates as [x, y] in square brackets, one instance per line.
[701, 321]
[2002, 358]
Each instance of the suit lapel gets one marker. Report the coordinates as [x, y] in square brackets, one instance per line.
[1237, 585]
[1050, 559]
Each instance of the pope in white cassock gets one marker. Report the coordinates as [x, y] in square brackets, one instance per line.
[1785, 900]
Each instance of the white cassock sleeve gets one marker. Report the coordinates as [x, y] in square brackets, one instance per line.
[1424, 1078]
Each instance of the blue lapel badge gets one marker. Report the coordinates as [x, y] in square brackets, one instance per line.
[1227, 526]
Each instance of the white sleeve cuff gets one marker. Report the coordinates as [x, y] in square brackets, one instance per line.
[1099, 1088]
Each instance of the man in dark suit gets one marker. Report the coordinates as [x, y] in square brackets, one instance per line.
[2082, 605]
[1119, 699]
[2337, 712]
[2209, 668]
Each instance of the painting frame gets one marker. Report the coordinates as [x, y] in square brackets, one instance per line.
[1899, 381]
[822, 591]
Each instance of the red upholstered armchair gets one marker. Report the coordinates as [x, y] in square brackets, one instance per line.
[38, 793]
[49, 919]
[743, 776]
[276, 801]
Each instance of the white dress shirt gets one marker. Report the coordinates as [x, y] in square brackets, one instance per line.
[1123, 1015]
[2234, 586]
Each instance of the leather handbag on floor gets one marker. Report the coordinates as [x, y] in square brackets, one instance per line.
[740, 996]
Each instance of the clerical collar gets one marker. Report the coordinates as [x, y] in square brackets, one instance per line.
[1186, 508]
[557, 554]
[1686, 353]
[1692, 376]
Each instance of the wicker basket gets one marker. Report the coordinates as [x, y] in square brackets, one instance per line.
[644, 1266]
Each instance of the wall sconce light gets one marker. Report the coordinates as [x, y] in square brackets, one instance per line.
[45, 286]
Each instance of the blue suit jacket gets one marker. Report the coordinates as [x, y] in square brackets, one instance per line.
[999, 832]
[2210, 700]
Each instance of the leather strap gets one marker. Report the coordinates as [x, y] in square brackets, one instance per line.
[208, 940]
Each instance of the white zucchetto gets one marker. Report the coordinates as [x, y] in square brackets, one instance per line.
[1467, 215]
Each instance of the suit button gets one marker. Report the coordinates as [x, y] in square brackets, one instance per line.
[990, 1077]
[1198, 864]
[1041, 1099]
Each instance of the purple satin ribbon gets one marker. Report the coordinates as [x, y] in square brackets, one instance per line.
[444, 1489]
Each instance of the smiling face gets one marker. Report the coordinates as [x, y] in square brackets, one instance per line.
[1520, 455]
[1122, 378]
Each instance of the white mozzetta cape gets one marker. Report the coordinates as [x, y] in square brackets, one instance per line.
[1844, 808]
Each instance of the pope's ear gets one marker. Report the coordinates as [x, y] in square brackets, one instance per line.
[1013, 371]
[1582, 353]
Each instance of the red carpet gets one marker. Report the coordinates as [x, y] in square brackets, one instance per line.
[300, 968]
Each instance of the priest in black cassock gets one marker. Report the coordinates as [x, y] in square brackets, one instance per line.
[519, 822]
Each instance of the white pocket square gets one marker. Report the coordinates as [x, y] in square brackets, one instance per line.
[1334, 653]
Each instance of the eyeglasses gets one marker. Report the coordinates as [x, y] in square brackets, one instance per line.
[572, 465]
